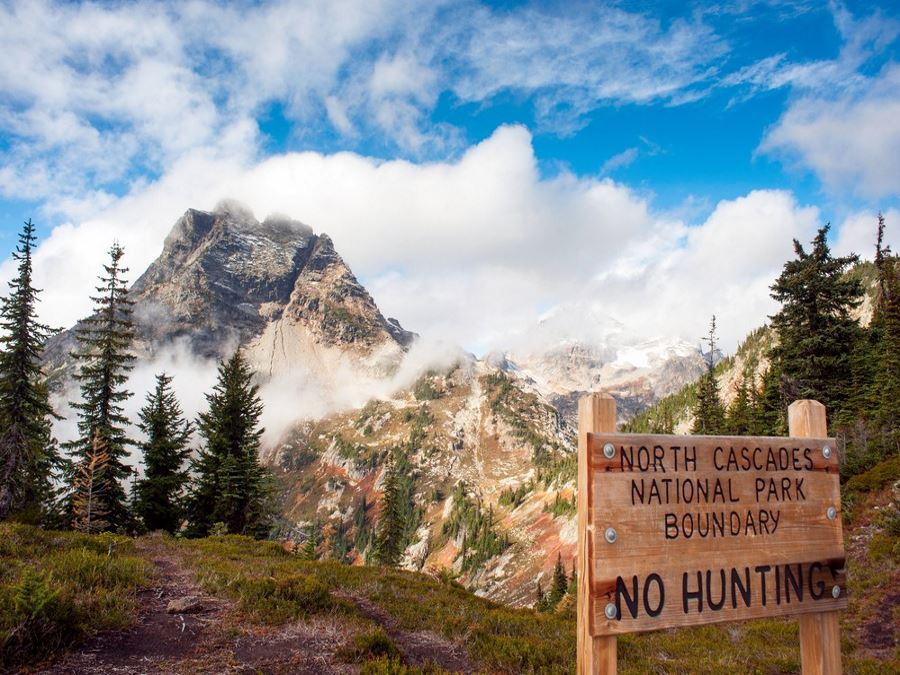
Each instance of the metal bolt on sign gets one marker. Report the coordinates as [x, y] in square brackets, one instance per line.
[826, 452]
[611, 535]
[831, 513]
[611, 612]
[609, 451]
[835, 592]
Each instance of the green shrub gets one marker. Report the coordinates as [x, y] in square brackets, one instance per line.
[875, 478]
[371, 644]
[37, 620]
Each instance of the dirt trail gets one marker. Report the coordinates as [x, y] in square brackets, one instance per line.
[159, 640]
[216, 639]
[212, 639]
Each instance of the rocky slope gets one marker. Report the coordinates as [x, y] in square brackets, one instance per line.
[491, 467]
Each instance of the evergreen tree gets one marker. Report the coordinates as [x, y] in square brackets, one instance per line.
[389, 539]
[772, 403]
[230, 485]
[104, 341]
[886, 323]
[308, 552]
[709, 415]
[540, 598]
[573, 580]
[91, 487]
[158, 496]
[28, 452]
[740, 418]
[816, 334]
[338, 544]
[560, 582]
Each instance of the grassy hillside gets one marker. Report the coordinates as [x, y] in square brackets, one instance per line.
[375, 620]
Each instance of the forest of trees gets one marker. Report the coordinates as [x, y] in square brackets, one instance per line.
[821, 351]
[83, 484]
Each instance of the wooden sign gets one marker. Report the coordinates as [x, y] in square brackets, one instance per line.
[701, 529]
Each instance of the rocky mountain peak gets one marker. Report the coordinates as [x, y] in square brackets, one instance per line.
[223, 278]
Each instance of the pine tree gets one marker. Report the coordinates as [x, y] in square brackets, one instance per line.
[159, 494]
[560, 582]
[308, 552]
[816, 334]
[28, 452]
[540, 598]
[772, 403]
[104, 341]
[740, 417]
[573, 580]
[230, 485]
[886, 323]
[389, 539]
[91, 487]
[709, 415]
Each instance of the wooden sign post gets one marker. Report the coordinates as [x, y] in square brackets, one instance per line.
[686, 530]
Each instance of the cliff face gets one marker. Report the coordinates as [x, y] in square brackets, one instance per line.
[224, 279]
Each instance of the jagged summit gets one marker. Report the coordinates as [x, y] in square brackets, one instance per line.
[224, 278]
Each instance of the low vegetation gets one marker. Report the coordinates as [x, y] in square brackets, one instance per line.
[56, 588]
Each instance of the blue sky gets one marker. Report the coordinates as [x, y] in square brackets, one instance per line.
[623, 125]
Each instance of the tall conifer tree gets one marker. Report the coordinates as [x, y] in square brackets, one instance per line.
[709, 415]
[104, 341]
[230, 485]
[28, 453]
[886, 322]
[159, 493]
[817, 336]
[389, 539]
[740, 420]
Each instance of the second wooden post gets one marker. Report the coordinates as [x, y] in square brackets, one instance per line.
[820, 641]
[596, 655]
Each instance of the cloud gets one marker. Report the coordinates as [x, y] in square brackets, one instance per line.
[857, 234]
[619, 160]
[469, 251]
[99, 94]
[842, 120]
[852, 142]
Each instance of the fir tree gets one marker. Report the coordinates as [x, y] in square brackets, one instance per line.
[104, 341]
[740, 418]
[91, 487]
[886, 324]
[540, 598]
[772, 403]
[709, 416]
[28, 452]
[389, 539]
[308, 552]
[338, 544]
[230, 486]
[816, 334]
[573, 580]
[560, 583]
[158, 496]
